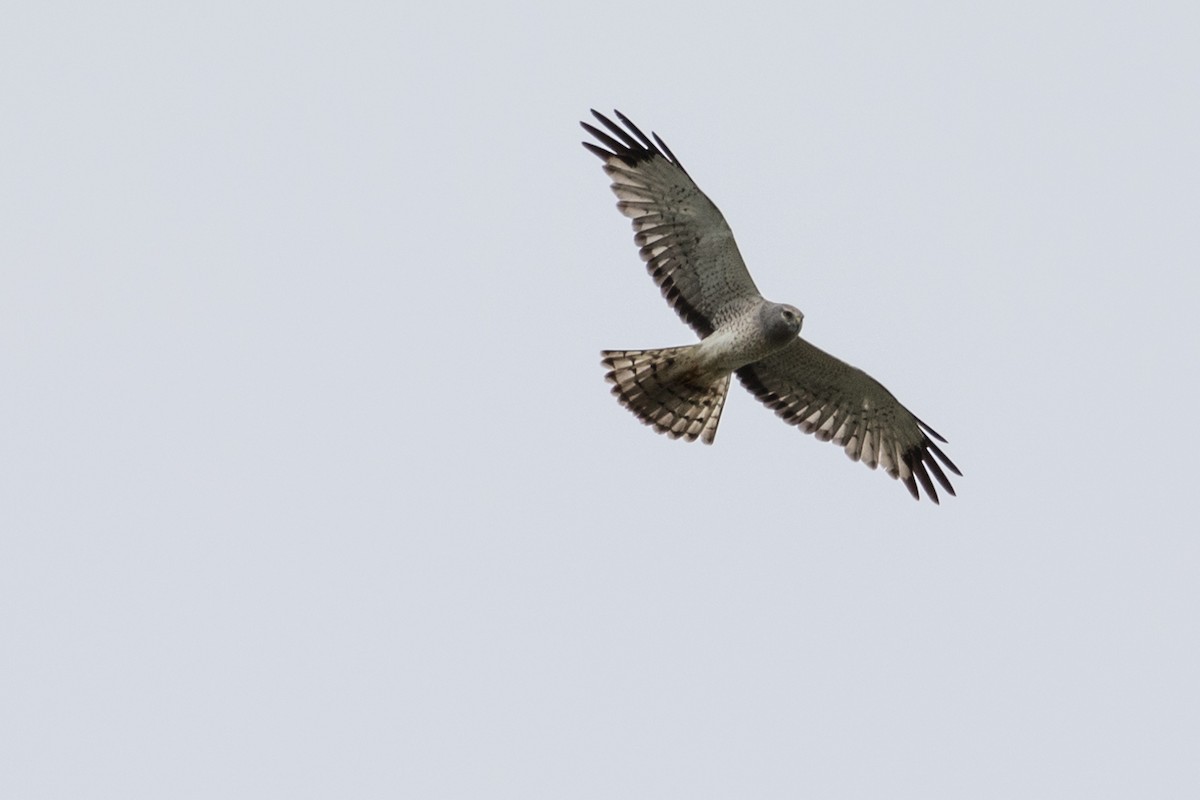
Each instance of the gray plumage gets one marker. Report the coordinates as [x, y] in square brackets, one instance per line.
[690, 252]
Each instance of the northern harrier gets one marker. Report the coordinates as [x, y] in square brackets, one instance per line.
[689, 250]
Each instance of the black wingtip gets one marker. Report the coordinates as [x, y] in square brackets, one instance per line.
[924, 469]
[628, 142]
[926, 460]
[925, 427]
[667, 150]
[614, 147]
[916, 465]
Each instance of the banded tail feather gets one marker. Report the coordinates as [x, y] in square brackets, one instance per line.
[665, 389]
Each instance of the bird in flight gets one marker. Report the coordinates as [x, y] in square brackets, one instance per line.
[690, 252]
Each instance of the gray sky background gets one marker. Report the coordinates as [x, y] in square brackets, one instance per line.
[311, 486]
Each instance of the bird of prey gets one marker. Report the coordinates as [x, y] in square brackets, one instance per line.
[690, 252]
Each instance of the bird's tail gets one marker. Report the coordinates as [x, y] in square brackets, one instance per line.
[664, 388]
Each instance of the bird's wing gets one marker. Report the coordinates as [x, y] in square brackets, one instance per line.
[836, 402]
[686, 243]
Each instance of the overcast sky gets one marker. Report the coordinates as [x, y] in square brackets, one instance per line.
[311, 486]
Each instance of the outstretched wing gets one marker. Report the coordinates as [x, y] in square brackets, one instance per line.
[837, 402]
[686, 243]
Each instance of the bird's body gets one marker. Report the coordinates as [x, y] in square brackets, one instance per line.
[690, 252]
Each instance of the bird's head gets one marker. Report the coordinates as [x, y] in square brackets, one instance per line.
[781, 322]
